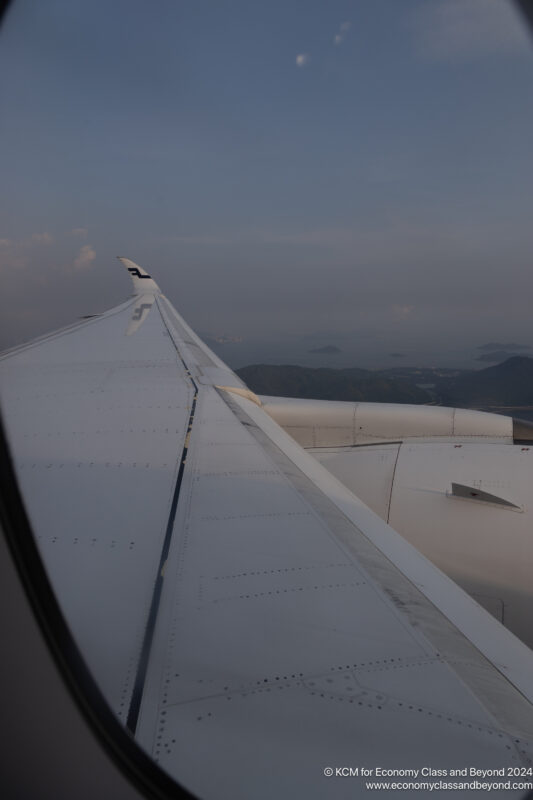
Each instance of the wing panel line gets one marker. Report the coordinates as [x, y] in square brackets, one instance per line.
[142, 667]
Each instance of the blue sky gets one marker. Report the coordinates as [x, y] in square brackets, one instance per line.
[355, 172]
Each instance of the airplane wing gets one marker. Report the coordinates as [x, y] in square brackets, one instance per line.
[252, 623]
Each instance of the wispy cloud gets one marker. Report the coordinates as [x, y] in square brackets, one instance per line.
[340, 36]
[41, 238]
[81, 232]
[459, 30]
[302, 59]
[207, 239]
[402, 312]
[12, 258]
[84, 258]
[20, 254]
[15, 254]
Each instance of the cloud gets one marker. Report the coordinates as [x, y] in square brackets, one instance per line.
[205, 239]
[12, 257]
[81, 232]
[459, 30]
[302, 59]
[402, 312]
[84, 258]
[16, 254]
[41, 238]
[328, 349]
[340, 36]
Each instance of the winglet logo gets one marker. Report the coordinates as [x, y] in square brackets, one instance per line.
[137, 314]
[135, 271]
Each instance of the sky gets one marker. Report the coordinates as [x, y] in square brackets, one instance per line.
[294, 174]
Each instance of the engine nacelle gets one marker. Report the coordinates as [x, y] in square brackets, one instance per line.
[328, 423]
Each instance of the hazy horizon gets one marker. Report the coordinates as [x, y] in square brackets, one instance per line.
[352, 354]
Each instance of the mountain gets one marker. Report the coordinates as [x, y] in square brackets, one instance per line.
[493, 346]
[331, 384]
[506, 384]
[497, 356]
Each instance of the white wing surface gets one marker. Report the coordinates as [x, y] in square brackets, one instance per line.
[247, 617]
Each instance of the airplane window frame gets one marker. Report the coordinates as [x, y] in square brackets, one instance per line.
[143, 773]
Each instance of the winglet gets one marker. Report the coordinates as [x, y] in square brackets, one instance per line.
[142, 281]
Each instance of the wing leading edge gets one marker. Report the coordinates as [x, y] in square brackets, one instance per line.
[247, 617]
